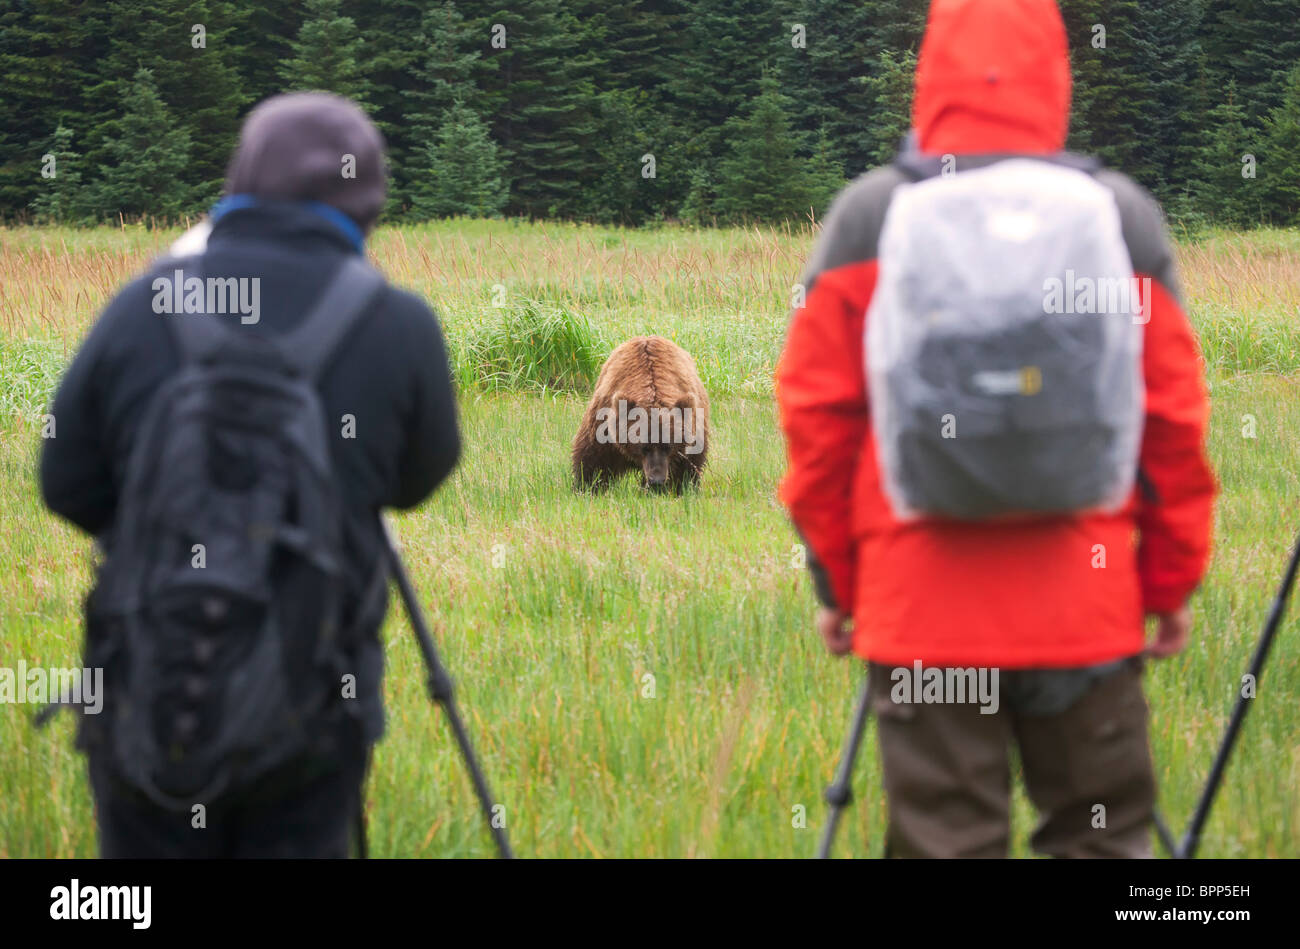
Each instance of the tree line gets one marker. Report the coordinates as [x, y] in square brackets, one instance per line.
[698, 110]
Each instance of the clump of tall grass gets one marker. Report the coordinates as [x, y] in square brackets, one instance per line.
[527, 346]
[1260, 341]
[1243, 293]
[31, 371]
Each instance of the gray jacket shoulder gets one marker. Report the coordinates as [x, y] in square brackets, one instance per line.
[851, 231]
[1143, 224]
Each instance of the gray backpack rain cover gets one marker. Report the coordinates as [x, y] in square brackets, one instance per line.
[1003, 345]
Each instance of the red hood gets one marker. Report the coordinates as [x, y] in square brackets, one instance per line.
[992, 76]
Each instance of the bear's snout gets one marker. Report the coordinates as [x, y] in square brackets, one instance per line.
[654, 465]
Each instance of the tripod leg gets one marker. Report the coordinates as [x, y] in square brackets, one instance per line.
[363, 843]
[363, 849]
[1193, 837]
[840, 793]
[1162, 831]
[442, 691]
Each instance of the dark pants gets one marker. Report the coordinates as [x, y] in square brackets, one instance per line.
[308, 809]
[1087, 767]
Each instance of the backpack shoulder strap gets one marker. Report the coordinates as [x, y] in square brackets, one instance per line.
[197, 335]
[311, 343]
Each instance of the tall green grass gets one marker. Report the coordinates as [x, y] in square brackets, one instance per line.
[30, 373]
[528, 346]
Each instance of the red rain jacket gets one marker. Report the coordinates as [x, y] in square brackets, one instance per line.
[993, 77]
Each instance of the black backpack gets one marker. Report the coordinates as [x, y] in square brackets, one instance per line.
[219, 617]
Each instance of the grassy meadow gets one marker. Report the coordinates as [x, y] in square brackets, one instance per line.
[639, 672]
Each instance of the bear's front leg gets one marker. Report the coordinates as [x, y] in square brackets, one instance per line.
[595, 467]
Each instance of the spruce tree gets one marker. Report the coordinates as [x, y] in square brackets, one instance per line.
[714, 75]
[890, 88]
[461, 173]
[638, 38]
[148, 152]
[393, 49]
[267, 32]
[189, 48]
[1172, 63]
[1280, 166]
[62, 199]
[825, 175]
[837, 77]
[1221, 192]
[326, 54]
[1113, 103]
[634, 164]
[700, 206]
[542, 98]
[1255, 43]
[763, 178]
[449, 70]
[639, 164]
[49, 56]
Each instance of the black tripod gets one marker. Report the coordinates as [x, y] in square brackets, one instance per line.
[442, 690]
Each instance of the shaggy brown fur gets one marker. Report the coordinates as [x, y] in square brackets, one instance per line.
[646, 373]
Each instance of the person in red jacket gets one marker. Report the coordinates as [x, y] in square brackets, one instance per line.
[1055, 603]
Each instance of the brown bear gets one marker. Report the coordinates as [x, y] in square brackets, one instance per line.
[649, 411]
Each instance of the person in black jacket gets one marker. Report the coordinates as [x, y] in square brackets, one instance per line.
[305, 184]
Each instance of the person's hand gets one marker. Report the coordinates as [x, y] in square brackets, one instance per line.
[833, 625]
[1171, 633]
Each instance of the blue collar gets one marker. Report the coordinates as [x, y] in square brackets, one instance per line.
[333, 215]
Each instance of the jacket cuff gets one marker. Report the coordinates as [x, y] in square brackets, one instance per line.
[821, 583]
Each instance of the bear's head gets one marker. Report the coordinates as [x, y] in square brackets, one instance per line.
[655, 436]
